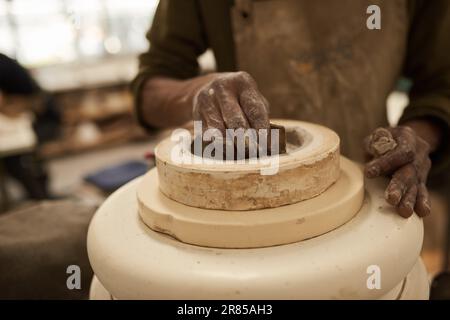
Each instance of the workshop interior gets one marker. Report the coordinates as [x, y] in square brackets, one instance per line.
[224, 150]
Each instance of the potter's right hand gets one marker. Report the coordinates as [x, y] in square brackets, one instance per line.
[231, 101]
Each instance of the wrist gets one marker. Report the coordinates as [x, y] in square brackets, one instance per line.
[193, 86]
[428, 129]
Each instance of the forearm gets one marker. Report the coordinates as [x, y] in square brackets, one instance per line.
[428, 129]
[167, 102]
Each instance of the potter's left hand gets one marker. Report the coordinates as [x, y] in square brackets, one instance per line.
[403, 155]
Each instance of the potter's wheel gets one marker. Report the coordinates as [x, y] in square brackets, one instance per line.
[318, 259]
[253, 228]
[310, 166]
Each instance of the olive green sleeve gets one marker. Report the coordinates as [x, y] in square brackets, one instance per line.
[428, 65]
[176, 39]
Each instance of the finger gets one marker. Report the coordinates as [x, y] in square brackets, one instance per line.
[255, 109]
[209, 115]
[266, 104]
[256, 112]
[245, 143]
[388, 162]
[424, 170]
[422, 206]
[406, 205]
[394, 192]
[401, 181]
[208, 112]
[232, 114]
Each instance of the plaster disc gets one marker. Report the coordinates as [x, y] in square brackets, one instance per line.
[134, 262]
[310, 166]
[255, 228]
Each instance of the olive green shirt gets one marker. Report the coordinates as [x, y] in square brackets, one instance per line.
[184, 29]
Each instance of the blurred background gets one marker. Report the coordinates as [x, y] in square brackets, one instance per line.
[67, 129]
[82, 54]
[60, 32]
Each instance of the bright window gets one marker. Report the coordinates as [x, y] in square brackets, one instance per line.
[48, 32]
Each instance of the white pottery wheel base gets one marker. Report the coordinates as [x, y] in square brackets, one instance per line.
[414, 287]
[134, 262]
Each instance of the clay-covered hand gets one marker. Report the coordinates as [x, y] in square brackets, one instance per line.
[231, 101]
[401, 154]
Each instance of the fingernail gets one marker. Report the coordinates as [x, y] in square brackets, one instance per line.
[423, 209]
[405, 212]
[393, 197]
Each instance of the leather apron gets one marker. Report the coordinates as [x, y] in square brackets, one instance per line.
[316, 60]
